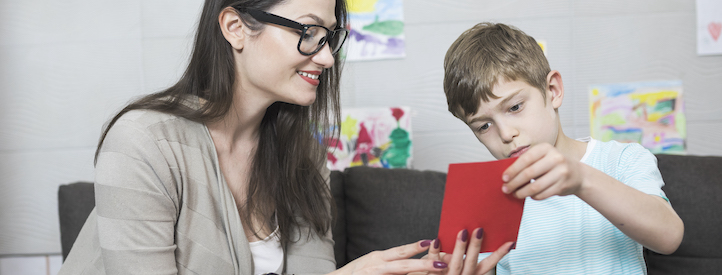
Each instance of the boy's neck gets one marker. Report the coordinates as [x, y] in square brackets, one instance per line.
[570, 147]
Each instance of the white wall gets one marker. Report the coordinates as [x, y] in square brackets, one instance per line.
[67, 66]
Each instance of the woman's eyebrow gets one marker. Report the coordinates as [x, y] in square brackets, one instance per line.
[319, 20]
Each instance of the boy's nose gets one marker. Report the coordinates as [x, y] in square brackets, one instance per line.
[507, 133]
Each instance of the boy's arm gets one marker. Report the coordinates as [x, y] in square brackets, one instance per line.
[647, 219]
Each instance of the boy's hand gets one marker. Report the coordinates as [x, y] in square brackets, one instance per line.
[541, 172]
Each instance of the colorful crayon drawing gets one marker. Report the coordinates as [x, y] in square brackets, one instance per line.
[376, 30]
[375, 137]
[709, 27]
[649, 113]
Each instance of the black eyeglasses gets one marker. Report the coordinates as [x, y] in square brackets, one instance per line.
[313, 37]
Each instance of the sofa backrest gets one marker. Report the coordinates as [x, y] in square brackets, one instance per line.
[693, 185]
[384, 208]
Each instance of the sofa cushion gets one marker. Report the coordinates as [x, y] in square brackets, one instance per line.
[390, 207]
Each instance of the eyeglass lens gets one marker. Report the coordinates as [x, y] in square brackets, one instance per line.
[314, 38]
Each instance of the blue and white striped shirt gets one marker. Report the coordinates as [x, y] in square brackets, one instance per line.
[564, 235]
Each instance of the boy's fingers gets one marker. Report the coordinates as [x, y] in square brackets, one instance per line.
[526, 159]
[528, 174]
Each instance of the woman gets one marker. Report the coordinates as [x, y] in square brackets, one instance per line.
[222, 173]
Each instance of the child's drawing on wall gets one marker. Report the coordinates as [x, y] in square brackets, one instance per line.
[375, 137]
[649, 113]
[376, 30]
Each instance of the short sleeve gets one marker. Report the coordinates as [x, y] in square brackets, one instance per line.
[640, 171]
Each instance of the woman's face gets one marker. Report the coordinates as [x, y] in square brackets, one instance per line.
[270, 66]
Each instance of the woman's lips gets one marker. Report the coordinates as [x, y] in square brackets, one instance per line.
[517, 152]
[310, 77]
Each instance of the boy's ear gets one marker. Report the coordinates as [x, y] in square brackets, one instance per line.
[232, 27]
[555, 89]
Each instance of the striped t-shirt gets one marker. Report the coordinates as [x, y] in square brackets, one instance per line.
[564, 235]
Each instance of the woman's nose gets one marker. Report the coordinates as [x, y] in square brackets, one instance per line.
[324, 57]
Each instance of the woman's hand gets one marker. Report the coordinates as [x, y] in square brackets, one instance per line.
[457, 264]
[394, 261]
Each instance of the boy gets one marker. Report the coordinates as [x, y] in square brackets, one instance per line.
[590, 205]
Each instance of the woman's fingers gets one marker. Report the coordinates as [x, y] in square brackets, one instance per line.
[405, 251]
[434, 250]
[396, 261]
[435, 253]
[407, 266]
[457, 258]
[490, 262]
[472, 252]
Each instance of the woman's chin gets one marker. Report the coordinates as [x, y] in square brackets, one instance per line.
[305, 101]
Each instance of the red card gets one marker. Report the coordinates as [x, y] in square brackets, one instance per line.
[473, 199]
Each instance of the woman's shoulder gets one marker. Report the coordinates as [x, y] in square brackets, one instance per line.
[157, 122]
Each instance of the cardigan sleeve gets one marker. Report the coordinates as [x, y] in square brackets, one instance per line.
[311, 253]
[136, 202]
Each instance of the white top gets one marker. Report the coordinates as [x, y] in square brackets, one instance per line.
[267, 254]
[564, 235]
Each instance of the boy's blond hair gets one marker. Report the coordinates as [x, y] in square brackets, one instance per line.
[483, 55]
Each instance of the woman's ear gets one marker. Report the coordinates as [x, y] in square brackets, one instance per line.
[232, 27]
[555, 89]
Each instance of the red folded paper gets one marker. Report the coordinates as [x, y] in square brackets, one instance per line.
[473, 199]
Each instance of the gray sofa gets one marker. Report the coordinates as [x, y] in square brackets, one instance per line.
[380, 208]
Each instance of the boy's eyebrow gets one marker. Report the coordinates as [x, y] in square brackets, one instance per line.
[510, 97]
[503, 102]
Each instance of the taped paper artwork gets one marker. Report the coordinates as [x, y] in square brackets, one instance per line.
[376, 30]
[374, 137]
[648, 113]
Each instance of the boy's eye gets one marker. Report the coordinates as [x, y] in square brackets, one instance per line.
[515, 107]
[485, 126]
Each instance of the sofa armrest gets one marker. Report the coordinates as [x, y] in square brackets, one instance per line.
[75, 202]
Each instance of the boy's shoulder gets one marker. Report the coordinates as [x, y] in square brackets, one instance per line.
[616, 150]
[617, 158]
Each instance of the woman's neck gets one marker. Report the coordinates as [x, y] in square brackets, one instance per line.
[241, 124]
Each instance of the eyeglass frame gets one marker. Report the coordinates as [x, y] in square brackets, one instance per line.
[267, 17]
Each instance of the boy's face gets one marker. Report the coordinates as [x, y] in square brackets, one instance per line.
[518, 119]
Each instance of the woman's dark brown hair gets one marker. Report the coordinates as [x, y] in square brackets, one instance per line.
[285, 176]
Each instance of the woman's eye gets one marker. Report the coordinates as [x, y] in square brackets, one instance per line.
[310, 34]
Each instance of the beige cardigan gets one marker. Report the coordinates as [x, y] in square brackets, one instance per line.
[163, 207]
